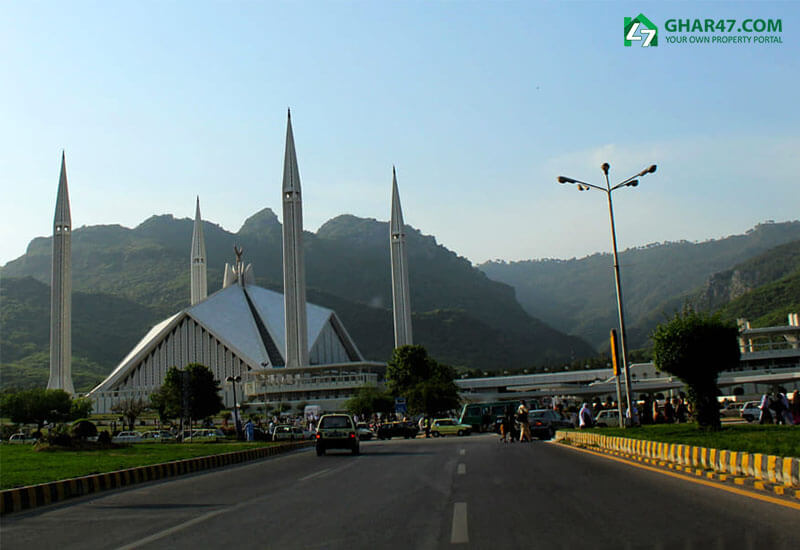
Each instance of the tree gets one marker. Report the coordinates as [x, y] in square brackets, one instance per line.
[36, 406]
[696, 347]
[81, 407]
[368, 400]
[130, 408]
[427, 385]
[193, 389]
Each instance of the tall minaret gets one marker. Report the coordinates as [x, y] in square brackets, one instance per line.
[294, 275]
[199, 279]
[61, 291]
[401, 299]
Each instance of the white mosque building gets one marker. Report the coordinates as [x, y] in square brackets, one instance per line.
[284, 349]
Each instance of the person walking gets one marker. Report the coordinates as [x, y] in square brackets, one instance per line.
[507, 425]
[795, 407]
[765, 417]
[524, 425]
[585, 417]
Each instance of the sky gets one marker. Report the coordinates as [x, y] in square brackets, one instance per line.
[480, 106]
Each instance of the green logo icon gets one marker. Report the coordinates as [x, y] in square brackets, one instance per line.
[640, 29]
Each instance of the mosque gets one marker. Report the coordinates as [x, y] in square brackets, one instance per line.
[277, 347]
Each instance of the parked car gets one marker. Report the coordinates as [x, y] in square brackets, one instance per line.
[287, 432]
[397, 429]
[365, 433]
[127, 437]
[606, 418]
[157, 435]
[545, 422]
[207, 434]
[336, 431]
[732, 410]
[750, 411]
[449, 426]
[21, 438]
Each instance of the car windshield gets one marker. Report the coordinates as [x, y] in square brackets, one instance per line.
[335, 422]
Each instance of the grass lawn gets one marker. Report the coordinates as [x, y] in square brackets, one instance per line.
[751, 438]
[21, 465]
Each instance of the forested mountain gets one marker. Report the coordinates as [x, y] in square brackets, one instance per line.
[577, 296]
[462, 316]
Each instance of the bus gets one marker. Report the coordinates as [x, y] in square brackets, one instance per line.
[483, 416]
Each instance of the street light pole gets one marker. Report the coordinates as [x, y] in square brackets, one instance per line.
[620, 309]
[630, 182]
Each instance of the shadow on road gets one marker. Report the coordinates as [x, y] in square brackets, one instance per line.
[373, 453]
[154, 506]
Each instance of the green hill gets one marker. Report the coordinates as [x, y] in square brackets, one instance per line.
[577, 296]
[461, 315]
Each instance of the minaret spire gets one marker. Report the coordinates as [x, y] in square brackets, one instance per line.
[197, 266]
[294, 278]
[401, 298]
[61, 290]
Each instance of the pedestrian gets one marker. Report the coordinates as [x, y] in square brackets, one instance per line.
[249, 431]
[507, 425]
[632, 415]
[669, 412]
[765, 417]
[786, 409]
[658, 418]
[795, 406]
[585, 417]
[524, 426]
[681, 412]
[427, 426]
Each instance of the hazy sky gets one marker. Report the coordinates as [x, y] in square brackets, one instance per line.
[480, 105]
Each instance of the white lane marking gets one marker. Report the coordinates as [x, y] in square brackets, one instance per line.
[173, 529]
[458, 534]
[462, 452]
[462, 469]
[315, 474]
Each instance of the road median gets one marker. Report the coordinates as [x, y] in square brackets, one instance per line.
[776, 474]
[33, 496]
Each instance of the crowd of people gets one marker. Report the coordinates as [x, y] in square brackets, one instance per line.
[778, 408]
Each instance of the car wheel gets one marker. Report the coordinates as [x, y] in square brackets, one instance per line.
[460, 433]
[356, 450]
[320, 451]
[436, 434]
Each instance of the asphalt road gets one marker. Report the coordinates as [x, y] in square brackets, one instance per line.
[471, 492]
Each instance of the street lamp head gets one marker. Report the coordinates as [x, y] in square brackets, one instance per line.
[233, 379]
[564, 179]
[632, 183]
[582, 187]
[605, 168]
[650, 170]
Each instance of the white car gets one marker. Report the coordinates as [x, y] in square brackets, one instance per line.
[21, 438]
[750, 411]
[287, 432]
[127, 437]
[732, 410]
[608, 417]
[206, 434]
[364, 432]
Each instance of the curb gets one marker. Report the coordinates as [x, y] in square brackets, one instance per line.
[33, 496]
[774, 474]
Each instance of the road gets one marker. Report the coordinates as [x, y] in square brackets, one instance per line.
[470, 492]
